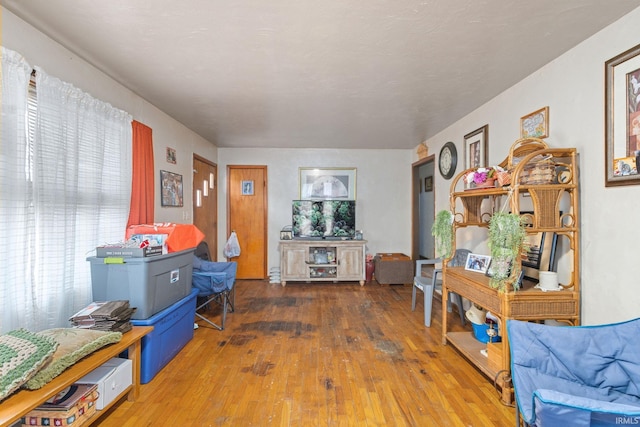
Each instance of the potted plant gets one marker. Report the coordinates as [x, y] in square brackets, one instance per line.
[483, 177]
[442, 230]
[506, 241]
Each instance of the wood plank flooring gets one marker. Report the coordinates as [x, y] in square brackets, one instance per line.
[332, 354]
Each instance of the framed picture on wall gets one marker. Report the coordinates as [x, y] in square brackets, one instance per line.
[428, 183]
[536, 124]
[476, 148]
[171, 156]
[622, 118]
[170, 189]
[327, 183]
[247, 188]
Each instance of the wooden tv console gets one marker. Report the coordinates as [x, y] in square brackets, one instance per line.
[22, 402]
[342, 260]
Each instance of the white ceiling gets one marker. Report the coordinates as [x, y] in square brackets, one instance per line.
[332, 73]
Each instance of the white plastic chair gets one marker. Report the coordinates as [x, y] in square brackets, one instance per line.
[428, 285]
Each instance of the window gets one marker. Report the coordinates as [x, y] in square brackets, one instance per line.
[65, 188]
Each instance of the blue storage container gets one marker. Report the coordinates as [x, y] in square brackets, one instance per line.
[172, 330]
[481, 333]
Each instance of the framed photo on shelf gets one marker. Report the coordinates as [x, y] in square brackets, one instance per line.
[536, 124]
[171, 189]
[327, 183]
[476, 148]
[622, 118]
[477, 263]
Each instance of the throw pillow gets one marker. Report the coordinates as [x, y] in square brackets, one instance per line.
[22, 353]
[73, 345]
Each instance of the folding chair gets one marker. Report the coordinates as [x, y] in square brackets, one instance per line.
[575, 375]
[215, 283]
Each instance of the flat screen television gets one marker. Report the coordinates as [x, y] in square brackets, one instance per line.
[318, 219]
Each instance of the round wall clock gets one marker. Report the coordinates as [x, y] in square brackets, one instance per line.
[448, 160]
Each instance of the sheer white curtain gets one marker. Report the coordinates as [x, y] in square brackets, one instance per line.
[76, 196]
[15, 189]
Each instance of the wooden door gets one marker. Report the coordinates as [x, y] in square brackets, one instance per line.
[247, 216]
[205, 201]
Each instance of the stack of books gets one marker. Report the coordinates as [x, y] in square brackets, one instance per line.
[105, 316]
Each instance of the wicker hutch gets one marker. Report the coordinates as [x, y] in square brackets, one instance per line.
[543, 182]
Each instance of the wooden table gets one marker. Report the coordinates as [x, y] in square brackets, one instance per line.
[23, 401]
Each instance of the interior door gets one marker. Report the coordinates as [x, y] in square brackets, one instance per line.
[247, 216]
[423, 208]
[205, 201]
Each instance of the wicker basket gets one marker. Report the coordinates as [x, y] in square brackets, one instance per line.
[504, 178]
[539, 171]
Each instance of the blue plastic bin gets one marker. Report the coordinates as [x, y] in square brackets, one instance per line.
[172, 330]
[480, 333]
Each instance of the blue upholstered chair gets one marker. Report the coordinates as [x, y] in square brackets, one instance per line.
[576, 375]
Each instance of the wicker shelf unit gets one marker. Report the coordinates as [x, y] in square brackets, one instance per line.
[545, 192]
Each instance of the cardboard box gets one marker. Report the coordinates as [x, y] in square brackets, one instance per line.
[494, 353]
[393, 268]
[150, 284]
[172, 330]
[112, 378]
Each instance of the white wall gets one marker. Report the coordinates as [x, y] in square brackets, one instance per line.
[383, 193]
[573, 88]
[39, 50]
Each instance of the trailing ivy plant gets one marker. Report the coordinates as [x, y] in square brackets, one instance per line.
[507, 237]
[442, 230]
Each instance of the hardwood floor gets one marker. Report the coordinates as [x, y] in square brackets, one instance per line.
[318, 355]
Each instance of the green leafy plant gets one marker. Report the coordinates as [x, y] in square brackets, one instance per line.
[442, 230]
[507, 238]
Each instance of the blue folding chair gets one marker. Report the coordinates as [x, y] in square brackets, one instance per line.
[215, 284]
[576, 375]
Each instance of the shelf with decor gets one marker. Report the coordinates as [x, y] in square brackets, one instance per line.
[540, 184]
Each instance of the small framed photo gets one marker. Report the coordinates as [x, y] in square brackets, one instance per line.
[428, 183]
[477, 263]
[536, 124]
[247, 188]
[171, 156]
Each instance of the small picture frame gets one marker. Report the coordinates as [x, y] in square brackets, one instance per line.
[536, 124]
[476, 145]
[477, 263]
[428, 183]
[171, 156]
[247, 188]
[286, 235]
